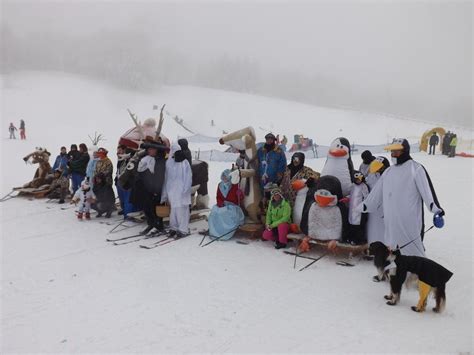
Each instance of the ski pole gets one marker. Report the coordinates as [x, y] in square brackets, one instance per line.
[219, 237]
[203, 237]
[311, 263]
[296, 254]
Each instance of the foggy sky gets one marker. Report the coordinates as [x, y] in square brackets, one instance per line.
[405, 58]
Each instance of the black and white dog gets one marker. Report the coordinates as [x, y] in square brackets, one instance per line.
[430, 275]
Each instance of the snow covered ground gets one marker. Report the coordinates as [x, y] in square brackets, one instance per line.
[65, 289]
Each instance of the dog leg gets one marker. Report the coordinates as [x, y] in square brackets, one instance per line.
[392, 299]
[424, 290]
[440, 296]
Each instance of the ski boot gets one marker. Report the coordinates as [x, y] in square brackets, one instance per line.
[79, 216]
[88, 215]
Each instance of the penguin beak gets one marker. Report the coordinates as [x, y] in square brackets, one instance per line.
[298, 184]
[375, 166]
[394, 146]
[324, 201]
[337, 152]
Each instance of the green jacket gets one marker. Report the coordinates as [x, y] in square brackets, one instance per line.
[279, 214]
[454, 142]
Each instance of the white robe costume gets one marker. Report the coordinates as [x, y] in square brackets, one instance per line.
[177, 191]
[375, 224]
[401, 191]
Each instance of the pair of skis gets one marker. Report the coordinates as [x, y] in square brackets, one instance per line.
[9, 196]
[168, 238]
[135, 238]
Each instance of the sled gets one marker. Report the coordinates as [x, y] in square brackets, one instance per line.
[38, 192]
[465, 155]
[342, 248]
[250, 230]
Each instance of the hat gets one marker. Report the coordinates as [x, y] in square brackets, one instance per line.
[276, 191]
[85, 184]
[150, 142]
[367, 156]
[270, 135]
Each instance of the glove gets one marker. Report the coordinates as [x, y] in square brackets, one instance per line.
[304, 245]
[438, 220]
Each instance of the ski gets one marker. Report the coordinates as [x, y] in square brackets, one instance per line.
[137, 239]
[140, 236]
[123, 238]
[344, 263]
[166, 240]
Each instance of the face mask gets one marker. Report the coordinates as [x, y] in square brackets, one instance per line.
[394, 161]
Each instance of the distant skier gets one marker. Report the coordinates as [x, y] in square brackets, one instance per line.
[22, 130]
[12, 130]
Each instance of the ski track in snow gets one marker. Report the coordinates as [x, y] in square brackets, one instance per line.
[65, 289]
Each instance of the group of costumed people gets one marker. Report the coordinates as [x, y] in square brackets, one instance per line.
[380, 202]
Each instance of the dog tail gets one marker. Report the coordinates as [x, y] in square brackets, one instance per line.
[440, 298]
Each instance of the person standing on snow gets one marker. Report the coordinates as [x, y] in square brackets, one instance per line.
[401, 191]
[434, 140]
[148, 184]
[78, 165]
[61, 162]
[177, 191]
[183, 143]
[22, 130]
[12, 130]
[452, 146]
[357, 220]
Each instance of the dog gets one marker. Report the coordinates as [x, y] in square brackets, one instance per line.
[431, 275]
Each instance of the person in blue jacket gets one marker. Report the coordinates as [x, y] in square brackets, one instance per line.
[61, 162]
[271, 162]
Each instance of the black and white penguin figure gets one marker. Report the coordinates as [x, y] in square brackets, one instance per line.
[339, 164]
[324, 216]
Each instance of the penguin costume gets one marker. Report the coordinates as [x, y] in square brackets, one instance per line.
[339, 164]
[401, 191]
[324, 217]
[375, 224]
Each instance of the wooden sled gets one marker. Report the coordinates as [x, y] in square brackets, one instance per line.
[38, 192]
[342, 248]
[250, 230]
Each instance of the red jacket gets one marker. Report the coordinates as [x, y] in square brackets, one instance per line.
[232, 196]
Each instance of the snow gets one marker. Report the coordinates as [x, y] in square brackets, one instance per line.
[65, 289]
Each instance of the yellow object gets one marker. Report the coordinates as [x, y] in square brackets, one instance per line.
[394, 146]
[375, 166]
[424, 290]
[426, 137]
